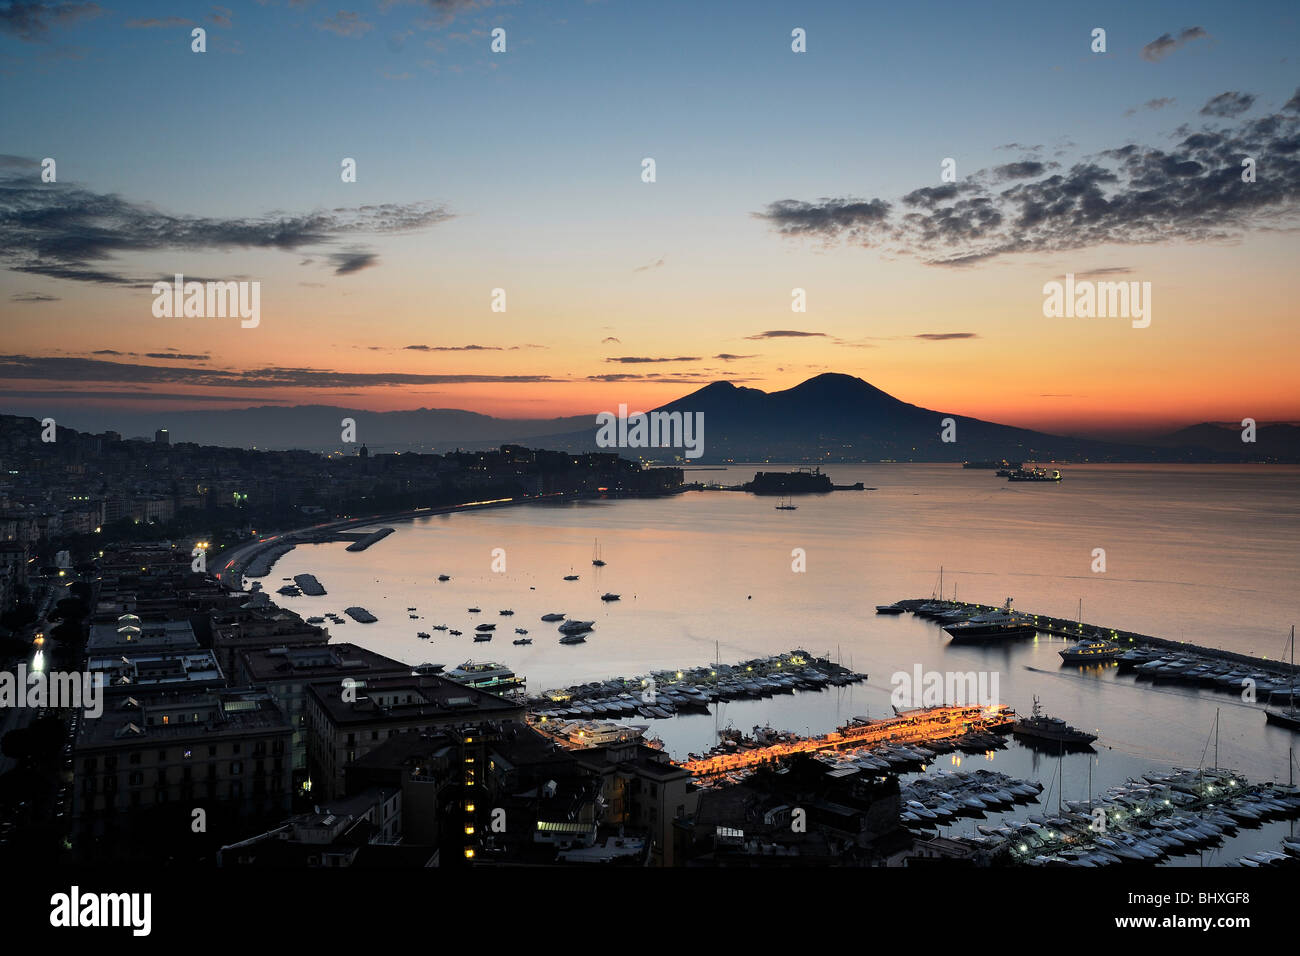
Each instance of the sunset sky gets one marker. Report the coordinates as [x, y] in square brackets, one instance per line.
[775, 170]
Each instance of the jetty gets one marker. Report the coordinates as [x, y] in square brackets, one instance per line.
[364, 541]
[308, 584]
[360, 615]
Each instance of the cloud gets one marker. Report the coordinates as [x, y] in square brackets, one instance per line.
[33, 297]
[653, 265]
[728, 357]
[1104, 271]
[786, 334]
[73, 233]
[346, 24]
[1293, 104]
[220, 16]
[639, 360]
[1228, 104]
[1156, 104]
[945, 336]
[86, 370]
[1166, 43]
[608, 339]
[1026, 169]
[179, 356]
[32, 20]
[454, 348]
[157, 23]
[1130, 195]
[354, 260]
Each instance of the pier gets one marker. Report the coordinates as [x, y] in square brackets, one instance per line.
[918, 726]
[364, 541]
[308, 584]
[1081, 630]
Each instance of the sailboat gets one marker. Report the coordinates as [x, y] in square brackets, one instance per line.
[595, 555]
[786, 506]
[1288, 716]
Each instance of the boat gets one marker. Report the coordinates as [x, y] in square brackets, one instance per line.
[454, 633]
[422, 635]
[474, 610]
[521, 630]
[596, 561]
[483, 636]
[1289, 716]
[1041, 727]
[1091, 652]
[1034, 474]
[609, 596]
[993, 626]
[576, 627]
[552, 617]
[889, 609]
[485, 675]
[570, 577]
[440, 627]
[505, 613]
[523, 640]
[785, 505]
[573, 638]
[426, 668]
[486, 627]
[444, 577]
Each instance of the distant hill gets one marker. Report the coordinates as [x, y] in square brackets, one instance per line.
[831, 417]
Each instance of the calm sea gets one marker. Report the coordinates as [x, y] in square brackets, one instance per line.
[1205, 554]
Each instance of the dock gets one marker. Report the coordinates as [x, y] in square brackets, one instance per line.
[360, 615]
[364, 541]
[308, 584]
[916, 726]
[1081, 630]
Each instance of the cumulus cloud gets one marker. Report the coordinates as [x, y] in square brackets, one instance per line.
[74, 233]
[1167, 43]
[1130, 195]
[1228, 104]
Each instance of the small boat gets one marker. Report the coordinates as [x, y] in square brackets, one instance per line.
[444, 577]
[505, 613]
[521, 630]
[595, 557]
[474, 610]
[455, 633]
[486, 627]
[412, 609]
[552, 617]
[423, 635]
[786, 506]
[523, 640]
[570, 577]
[414, 617]
[609, 596]
[440, 627]
[889, 609]
[573, 638]
[483, 636]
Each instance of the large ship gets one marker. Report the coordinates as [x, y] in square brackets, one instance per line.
[1091, 652]
[486, 675]
[1034, 474]
[1039, 726]
[994, 626]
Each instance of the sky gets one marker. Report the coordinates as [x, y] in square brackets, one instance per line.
[775, 170]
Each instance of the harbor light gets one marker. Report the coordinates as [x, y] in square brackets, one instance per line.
[469, 853]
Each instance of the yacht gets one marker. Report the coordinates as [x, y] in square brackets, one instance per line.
[889, 609]
[570, 577]
[576, 627]
[574, 638]
[486, 627]
[440, 627]
[595, 557]
[1091, 652]
[552, 617]
[485, 675]
[609, 596]
[786, 506]
[505, 613]
[1034, 474]
[521, 630]
[444, 577]
[523, 640]
[993, 626]
[482, 636]
[423, 635]
[1039, 726]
